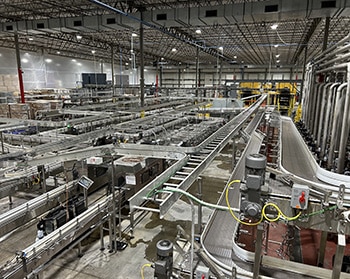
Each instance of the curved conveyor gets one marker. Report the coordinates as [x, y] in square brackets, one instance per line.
[296, 161]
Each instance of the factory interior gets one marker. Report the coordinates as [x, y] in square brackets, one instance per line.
[174, 139]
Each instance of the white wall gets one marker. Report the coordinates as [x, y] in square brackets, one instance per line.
[51, 71]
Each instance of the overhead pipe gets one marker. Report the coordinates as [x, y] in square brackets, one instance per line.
[334, 47]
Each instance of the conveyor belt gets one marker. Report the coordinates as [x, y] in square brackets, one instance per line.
[294, 156]
[217, 236]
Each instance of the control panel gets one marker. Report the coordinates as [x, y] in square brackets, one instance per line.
[300, 196]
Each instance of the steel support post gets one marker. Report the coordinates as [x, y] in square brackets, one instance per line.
[258, 246]
[19, 69]
[322, 251]
[110, 233]
[2, 143]
[42, 177]
[80, 253]
[112, 71]
[199, 195]
[197, 72]
[326, 34]
[113, 215]
[142, 66]
[101, 238]
[132, 223]
[339, 254]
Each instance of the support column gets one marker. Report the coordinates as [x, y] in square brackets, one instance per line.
[326, 33]
[199, 195]
[197, 71]
[339, 254]
[114, 225]
[257, 256]
[19, 69]
[112, 69]
[322, 251]
[101, 238]
[142, 62]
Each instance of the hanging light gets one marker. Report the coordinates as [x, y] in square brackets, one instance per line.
[274, 26]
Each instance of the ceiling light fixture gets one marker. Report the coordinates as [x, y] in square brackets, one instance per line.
[274, 26]
[276, 46]
[198, 31]
[58, 52]
[30, 39]
[79, 37]
[134, 35]
[221, 48]
[174, 49]
[277, 55]
[93, 51]
[278, 61]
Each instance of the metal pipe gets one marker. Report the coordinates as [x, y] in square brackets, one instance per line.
[304, 70]
[338, 58]
[334, 143]
[313, 103]
[199, 195]
[345, 126]
[334, 47]
[323, 100]
[113, 215]
[317, 109]
[328, 115]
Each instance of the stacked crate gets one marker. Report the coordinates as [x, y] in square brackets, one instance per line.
[9, 83]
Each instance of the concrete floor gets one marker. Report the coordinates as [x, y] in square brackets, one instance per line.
[141, 249]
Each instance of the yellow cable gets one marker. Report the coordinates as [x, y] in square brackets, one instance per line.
[230, 209]
[263, 214]
[279, 213]
[146, 264]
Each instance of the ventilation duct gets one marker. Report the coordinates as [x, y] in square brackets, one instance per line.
[170, 17]
[325, 8]
[39, 26]
[293, 9]
[129, 22]
[18, 26]
[112, 21]
[58, 25]
[264, 11]
[213, 15]
[234, 12]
